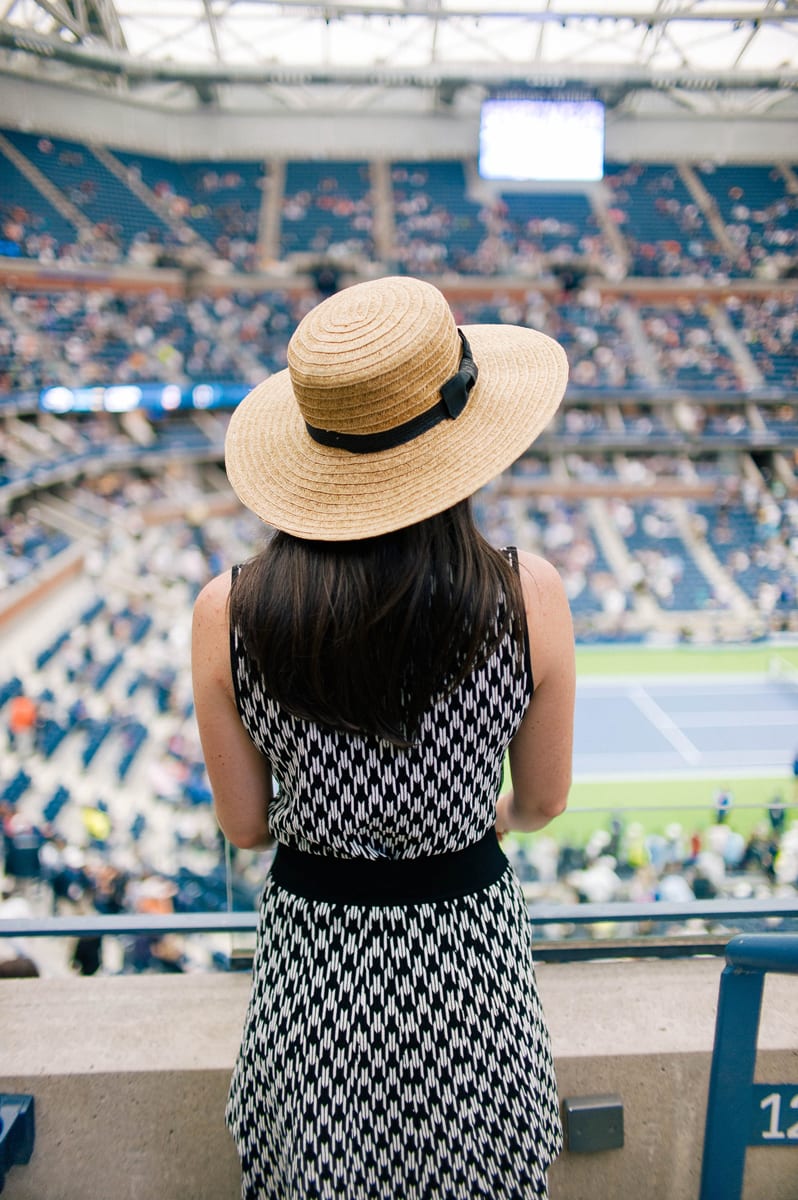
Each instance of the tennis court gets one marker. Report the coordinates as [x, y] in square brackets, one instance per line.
[684, 726]
[660, 729]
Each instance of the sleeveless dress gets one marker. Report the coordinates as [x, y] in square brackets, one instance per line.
[396, 1052]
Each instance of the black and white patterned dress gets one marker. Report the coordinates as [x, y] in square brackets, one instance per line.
[393, 1052]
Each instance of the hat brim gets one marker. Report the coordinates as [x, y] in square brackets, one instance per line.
[312, 491]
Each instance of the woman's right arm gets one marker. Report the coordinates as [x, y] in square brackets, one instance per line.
[541, 752]
[240, 776]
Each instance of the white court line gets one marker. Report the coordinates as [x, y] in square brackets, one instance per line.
[665, 725]
[680, 774]
[733, 720]
[756, 761]
[711, 683]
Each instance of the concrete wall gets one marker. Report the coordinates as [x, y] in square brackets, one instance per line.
[130, 1074]
[659, 129]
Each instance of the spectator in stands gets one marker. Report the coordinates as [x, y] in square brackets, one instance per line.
[786, 864]
[380, 558]
[674, 887]
[22, 724]
[87, 956]
[724, 799]
[760, 852]
[777, 814]
[15, 961]
[17, 966]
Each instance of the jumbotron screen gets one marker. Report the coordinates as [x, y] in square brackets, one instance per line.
[541, 140]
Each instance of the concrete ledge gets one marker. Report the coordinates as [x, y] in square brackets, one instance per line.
[130, 1076]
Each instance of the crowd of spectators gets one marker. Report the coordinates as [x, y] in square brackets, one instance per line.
[104, 800]
[760, 216]
[755, 538]
[205, 214]
[748, 527]
[105, 803]
[25, 545]
[80, 337]
[621, 861]
[663, 225]
[562, 533]
[103, 797]
[769, 329]
[327, 211]
[686, 350]
[27, 232]
[751, 533]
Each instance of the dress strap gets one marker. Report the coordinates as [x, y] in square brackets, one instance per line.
[377, 883]
[235, 648]
[512, 554]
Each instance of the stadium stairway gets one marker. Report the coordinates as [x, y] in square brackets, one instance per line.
[270, 213]
[632, 326]
[182, 232]
[750, 375]
[43, 185]
[722, 583]
[710, 210]
[384, 229]
[60, 514]
[601, 200]
[617, 555]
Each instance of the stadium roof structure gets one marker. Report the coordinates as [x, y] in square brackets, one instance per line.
[709, 57]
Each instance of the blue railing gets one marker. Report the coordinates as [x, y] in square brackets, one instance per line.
[741, 1113]
[621, 912]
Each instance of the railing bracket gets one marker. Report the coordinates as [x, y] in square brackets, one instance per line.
[17, 1132]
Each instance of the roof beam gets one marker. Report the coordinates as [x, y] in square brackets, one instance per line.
[109, 21]
[63, 19]
[687, 10]
[213, 29]
[107, 59]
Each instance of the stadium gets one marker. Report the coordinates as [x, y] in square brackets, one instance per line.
[178, 188]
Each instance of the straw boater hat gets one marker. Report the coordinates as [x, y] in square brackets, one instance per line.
[387, 413]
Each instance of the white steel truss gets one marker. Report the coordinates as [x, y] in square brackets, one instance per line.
[303, 55]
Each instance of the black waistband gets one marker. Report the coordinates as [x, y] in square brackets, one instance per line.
[386, 881]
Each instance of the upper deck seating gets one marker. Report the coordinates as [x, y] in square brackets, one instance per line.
[760, 213]
[78, 337]
[768, 326]
[438, 227]
[327, 209]
[687, 352]
[664, 228]
[116, 214]
[219, 202]
[561, 225]
[668, 566]
[30, 226]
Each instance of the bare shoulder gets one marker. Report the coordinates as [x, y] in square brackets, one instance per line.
[211, 603]
[548, 615]
[210, 629]
[542, 586]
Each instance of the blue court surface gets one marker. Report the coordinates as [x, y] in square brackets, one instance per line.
[691, 725]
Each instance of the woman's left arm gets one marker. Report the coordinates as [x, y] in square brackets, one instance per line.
[541, 752]
[240, 776]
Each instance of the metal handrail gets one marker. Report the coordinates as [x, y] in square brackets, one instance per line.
[777, 952]
[96, 924]
[732, 1092]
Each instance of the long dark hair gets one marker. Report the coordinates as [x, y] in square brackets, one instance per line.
[363, 635]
